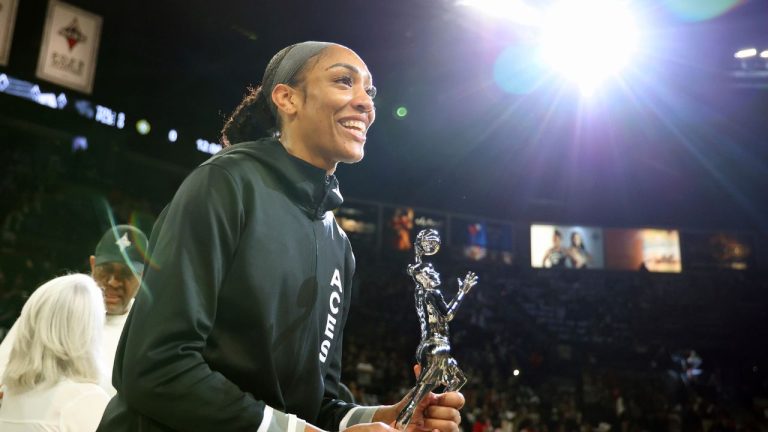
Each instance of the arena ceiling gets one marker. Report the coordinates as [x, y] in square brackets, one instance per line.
[679, 141]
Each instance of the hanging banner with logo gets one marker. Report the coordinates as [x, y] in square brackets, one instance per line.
[70, 47]
[7, 19]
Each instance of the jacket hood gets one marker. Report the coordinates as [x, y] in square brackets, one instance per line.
[310, 187]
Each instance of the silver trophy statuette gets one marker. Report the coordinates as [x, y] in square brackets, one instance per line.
[434, 350]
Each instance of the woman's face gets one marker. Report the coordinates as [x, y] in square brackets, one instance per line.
[334, 109]
[576, 239]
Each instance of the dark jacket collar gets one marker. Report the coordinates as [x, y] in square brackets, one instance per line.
[308, 186]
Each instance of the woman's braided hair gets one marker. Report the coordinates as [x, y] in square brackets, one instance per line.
[249, 120]
[255, 114]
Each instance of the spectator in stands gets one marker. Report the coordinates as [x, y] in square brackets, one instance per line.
[365, 372]
[12, 299]
[116, 266]
[483, 424]
[54, 368]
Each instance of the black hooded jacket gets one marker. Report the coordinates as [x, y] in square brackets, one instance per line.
[243, 303]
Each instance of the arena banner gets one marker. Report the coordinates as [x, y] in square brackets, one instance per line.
[566, 246]
[477, 240]
[7, 21]
[469, 238]
[501, 243]
[360, 221]
[403, 223]
[655, 250]
[706, 251]
[70, 47]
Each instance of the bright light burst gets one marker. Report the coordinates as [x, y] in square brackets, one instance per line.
[584, 41]
[512, 10]
[590, 40]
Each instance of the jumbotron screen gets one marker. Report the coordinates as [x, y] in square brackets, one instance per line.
[731, 251]
[656, 250]
[483, 241]
[566, 246]
[405, 222]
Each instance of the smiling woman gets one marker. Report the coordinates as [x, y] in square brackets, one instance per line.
[316, 98]
[241, 322]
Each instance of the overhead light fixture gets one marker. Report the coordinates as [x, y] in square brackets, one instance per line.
[746, 53]
[143, 127]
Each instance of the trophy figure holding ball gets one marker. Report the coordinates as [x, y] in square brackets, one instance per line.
[434, 351]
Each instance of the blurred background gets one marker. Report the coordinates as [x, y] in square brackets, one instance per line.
[632, 133]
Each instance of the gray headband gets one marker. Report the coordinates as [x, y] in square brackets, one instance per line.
[284, 71]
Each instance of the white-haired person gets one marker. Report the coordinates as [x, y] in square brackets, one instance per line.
[116, 266]
[52, 378]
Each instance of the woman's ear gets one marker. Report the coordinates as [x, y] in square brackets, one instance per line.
[284, 97]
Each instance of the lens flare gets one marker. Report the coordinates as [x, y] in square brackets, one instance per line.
[516, 11]
[700, 10]
[518, 69]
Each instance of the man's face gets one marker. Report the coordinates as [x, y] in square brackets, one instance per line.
[336, 108]
[118, 285]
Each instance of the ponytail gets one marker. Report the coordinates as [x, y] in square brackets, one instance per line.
[256, 112]
[250, 120]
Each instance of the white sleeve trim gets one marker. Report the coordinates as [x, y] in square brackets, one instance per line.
[358, 415]
[345, 420]
[266, 419]
[297, 425]
[278, 421]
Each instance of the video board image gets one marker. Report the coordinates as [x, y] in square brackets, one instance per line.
[655, 250]
[730, 251]
[566, 246]
[405, 222]
[359, 221]
[483, 241]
